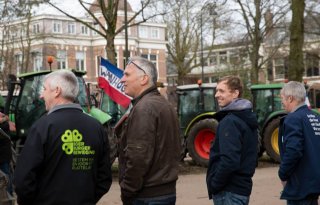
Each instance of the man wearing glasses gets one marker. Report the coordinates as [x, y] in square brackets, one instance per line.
[149, 146]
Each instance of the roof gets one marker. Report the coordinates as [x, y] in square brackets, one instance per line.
[95, 7]
[267, 86]
[193, 86]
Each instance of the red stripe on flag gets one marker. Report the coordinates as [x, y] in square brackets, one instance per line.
[113, 93]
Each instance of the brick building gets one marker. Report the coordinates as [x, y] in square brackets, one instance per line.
[74, 46]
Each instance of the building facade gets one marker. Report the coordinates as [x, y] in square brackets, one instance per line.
[27, 44]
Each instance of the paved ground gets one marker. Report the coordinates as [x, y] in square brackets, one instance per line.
[191, 188]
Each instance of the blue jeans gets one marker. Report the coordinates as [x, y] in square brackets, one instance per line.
[5, 168]
[160, 200]
[228, 198]
[303, 202]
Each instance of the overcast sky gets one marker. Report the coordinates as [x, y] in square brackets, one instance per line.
[73, 7]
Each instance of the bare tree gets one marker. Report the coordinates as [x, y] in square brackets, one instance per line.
[187, 22]
[258, 29]
[109, 11]
[296, 67]
[15, 37]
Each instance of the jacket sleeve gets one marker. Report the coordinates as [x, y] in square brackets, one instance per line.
[293, 142]
[230, 153]
[139, 151]
[28, 167]
[104, 168]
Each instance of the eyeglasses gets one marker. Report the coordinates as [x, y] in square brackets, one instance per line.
[130, 61]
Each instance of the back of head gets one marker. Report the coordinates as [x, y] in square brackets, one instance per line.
[234, 83]
[148, 67]
[67, 81]
[294, 89]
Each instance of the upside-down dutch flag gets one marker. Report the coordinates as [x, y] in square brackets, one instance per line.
[109, 81]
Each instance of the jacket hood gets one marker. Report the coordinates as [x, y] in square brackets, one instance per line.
[241, 108]
[238, 104]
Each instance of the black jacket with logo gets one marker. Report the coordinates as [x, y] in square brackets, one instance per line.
[65, 160]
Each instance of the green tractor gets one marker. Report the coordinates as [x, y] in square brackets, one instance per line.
[267, 105]
[24, 106]
[196, 108]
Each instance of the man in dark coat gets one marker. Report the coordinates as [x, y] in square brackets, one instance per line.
[299, 145]
[233, 156]
[149, 145]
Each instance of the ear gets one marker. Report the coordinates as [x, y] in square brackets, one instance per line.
[57, 92]
[145, 80]
[236, 94]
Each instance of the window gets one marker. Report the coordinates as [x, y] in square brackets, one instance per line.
[1, 64]
[84, 30]
[36, 28]
[312, 65]
[37, 61]
[128, 28]
[155, 33]
[213, 60]
[71, 28]
[143, 32]
[18, 61]
[57, 27]
[280, 68]
[234, 57]
[150, 57]
[223, 57]
[80, 58]
[61, 59]
[144, 56]
[96, 26]
[153, 59]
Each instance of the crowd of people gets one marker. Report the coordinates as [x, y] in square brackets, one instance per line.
[65, 159]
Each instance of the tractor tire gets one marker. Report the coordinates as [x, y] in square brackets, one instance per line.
[200, 138]
[270, 139]
[112, 143]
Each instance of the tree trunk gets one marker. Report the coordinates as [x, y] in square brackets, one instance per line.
[296, 66]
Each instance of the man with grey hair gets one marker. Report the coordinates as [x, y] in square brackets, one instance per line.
[65, 159]
[149, 146]
[299, 145]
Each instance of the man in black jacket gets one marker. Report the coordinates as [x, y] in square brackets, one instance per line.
[233, 156]
[65, 159]
[149, 140]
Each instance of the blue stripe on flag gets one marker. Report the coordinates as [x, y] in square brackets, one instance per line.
[112, 68]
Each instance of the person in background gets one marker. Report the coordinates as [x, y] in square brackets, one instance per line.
[233, 155]
[299, 145]
[149, 145]
[5, 146]
[65, 159]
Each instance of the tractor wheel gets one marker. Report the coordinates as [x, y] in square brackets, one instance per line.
[270, 139]
[199, 140]
[112, 143]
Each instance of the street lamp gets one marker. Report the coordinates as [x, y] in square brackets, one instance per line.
[126, 33]
[212, 12]
[50, 61]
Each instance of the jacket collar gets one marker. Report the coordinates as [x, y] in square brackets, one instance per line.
[148, 90]
[63, 106]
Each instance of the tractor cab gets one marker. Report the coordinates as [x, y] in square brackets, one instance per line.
[196, 108]
[27, 107]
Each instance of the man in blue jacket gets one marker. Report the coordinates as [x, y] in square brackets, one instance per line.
[233, 156]
[65, 159]
[299, 144]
